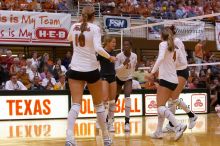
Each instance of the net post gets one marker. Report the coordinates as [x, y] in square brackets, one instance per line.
[121, 39]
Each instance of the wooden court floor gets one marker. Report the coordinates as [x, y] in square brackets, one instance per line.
[52, 132]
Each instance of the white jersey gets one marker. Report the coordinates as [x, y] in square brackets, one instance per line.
[125, 73]
[11, 86]
[166, 63]
[181, 62]
[84, 57]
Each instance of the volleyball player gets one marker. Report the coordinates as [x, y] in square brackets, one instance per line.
[107, 73]
[86, 38]
[167, 82]
[183, 74]
[125, 66]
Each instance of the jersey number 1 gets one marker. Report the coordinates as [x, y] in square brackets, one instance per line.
[80, 40]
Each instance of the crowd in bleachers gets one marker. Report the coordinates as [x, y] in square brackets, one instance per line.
[35, 73]
[166, 9]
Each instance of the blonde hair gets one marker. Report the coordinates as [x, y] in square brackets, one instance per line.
[168, 36]
[107, 39]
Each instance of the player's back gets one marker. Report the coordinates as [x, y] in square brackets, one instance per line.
[84, 57]
[167, 69]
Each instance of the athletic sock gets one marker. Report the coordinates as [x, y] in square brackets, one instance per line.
[166, 113]
[101, 117]
[127, 109]
[182, 104]
[72, 116]
[111, 111]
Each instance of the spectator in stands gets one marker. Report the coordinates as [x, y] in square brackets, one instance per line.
[14, 84]
[45, 61]
[66, 61]
[208, 8]
[143, 10]
[135, 84]
[3, 76]
[49, 81]
[214, 88]
[9, 59]
[70, 4]
[171, 12]
[216, 8]
[139, 75]
[194, 84]
[61, 6]
[128, 9]
[199, 53]
[57, 71]
[24, 77]
[61, 85]
[28, 66]
[2, 59]
[15, 67]
[36, 84]
[2, 5]
[34, 6]
[45, 71]
[22, 59]
[199, 9]
[49, 6]
[150, 84]
[9, 4]
[181, 12]
[34, 59]
[203, 82]
[107, 6]
[58, 62]
[190, 9]
[192, 75]
[34, 72]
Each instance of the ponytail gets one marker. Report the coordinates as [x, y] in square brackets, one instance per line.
[88, 13]
[168, 36]
[170, 42]
[83, 28]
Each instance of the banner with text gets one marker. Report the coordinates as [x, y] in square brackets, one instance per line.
[217, 32]
[87, 109]
[34, 28]
[196, 102]
[184, 30]
[113, 24]
[33, 107]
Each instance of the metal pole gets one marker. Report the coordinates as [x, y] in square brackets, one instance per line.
[121, 39]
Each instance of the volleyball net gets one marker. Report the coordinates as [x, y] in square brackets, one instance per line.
[187, 29]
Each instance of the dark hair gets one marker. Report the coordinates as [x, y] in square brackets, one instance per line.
[167, 35]
[126, 40]
[173, 29]
[12, 74]
[88, 13]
